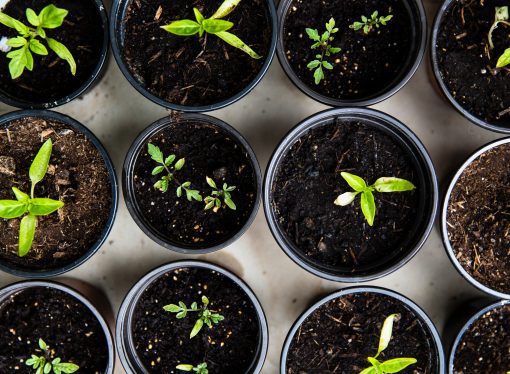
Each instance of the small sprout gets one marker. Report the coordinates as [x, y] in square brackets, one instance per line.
[205, 315]
[10, 209]
[394, 365]
[323, 43]
[501, 16]
[367, 24]
[47, 362]
[214, 200]
[200, 369]
[384, 184]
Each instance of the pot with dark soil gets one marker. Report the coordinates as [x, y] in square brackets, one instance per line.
[197, 57]
[52, 51]
[470, 57]
[475, 219]
[51, 327]
[191, 314]
[350, 194]
[58, 193]
[351, 52]
[363, 330]
[192, 183]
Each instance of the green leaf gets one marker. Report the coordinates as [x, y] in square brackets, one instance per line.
[238, 43]
[355, 182]
[346, 198]
[157, 170]
[67, 367]
[230, 203]
[375, 363]
[313, 64]
[26, 237]
[225, 8]
[184, 367]
[504, 59]
[334, 50]
[14, 24]
[43, 345]
[37, 47]
[318, 75]
[502, 13]
[325, 36]
[40, 370]
[12, 208]
[155, 153]
[210, 182]
[193, 195]
[370, 370]
[205, 300]
[20, 195]
[62, 52]
[181, 314]
[47, 368]
[52, 17]
[375, 14]
[330, 25]
[56, 361]
[41, 32]
[16, 42]
[386, 332]
[32, 17]
[172, 308]
[396, 365]
[209, 205]
[179, 191]
[196, 329]
[169, 160]
[40, 164]
[198, 15]
[368, 206]
[44, 206]
[20, 59]
[185, 27]
[213, 26]
[179, 164]
[327, 65]
[391, 184]
[313, 34]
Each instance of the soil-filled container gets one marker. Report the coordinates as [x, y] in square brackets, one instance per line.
[68, 202]
[465, 54]
[342, 330]
[154, 335]
[305, 181]
[193, 69]
[70, 327]
[192, 183]
[66, 55]
[369, 52]
[475, 219]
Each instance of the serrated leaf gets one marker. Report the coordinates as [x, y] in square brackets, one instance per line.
[237, 43]
[155, 153]
[392, 184]
[39, 166]
[44, 206]
[318, 75]
[313, 34]
[62, 52]
[313, 64]
[68, 367]
[169, 160]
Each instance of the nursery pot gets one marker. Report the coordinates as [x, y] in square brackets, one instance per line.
[61, 125]
[126, 321]
[332, 131]
[207, 144]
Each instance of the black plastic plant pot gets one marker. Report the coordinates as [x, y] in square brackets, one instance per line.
[370, 67]
[80, 174]
[464, 64]
[474, 224]
[70, 325]
[303, 180]
[151, 339]
[342, 330]
[210, 149]
[191, 74]
[51, 83]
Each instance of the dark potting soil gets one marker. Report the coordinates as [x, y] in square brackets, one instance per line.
[308, 181]
[208, 151]
[162, 341]
[340, 335]
[367, 64]
[67, 326]
[484, 347]
[466, 63]
[192, 70]
[51, 79]
[76, 175]
[478, 219]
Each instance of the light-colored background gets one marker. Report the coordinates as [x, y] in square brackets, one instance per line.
[117, 113]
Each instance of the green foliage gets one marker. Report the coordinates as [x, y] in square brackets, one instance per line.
[384, 184]
[501, 16]
[322, 42]
[200, 369]
[29, 206]
[27, 43]
[46, 363]
[213, 25]
[205, 315]
[368, 24]
[213, 201]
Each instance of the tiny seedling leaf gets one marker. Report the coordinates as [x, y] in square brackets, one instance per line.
[26, 234]
[391, 184]
[185, 27]
[386, 332]
[196, 328]
[237, 43]
[40, 164]
[368, 206]
[184, 367]
[396, 365]
[356, 183]
[346, 198]
[225, 9]
[504, 59]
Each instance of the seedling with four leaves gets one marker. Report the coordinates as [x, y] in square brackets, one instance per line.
[200, 369]
[46, 363]
[368, 24]
[322, 42]
[214, 200]
[501, 17]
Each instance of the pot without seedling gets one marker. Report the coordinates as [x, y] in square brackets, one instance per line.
[58, 193]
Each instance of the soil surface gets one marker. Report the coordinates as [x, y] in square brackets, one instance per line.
[67, 326]
[478, 219]
[308, 181]
[208, 151]
[467, 64]
[340, 335]
[162, 341]
[367, 65]
[191, 70]
[51, 79]
[484, 347]
[76, 175]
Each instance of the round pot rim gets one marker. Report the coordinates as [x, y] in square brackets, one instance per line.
[384, 94]
[77, 295]
[128, 188]
[420, 313]
[299, 130]
[71, 122]
[86, 85]
[117, 53]
[444, 212]
[444, 89]
[130, 301]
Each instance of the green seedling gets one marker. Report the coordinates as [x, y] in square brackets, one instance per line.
[393, 365]
[214, 201]
[30, 207]
[384, 184]
[501, 17]
[200, 369]
[46, 363]
[27, 42]
[323, 43]
[368, 24]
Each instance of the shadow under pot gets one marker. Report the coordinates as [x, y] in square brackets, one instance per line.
[475, 222]
[192, 183]
[328, 207]
[369, 52]
[198, 67]
[65, 57]
[191, 313]
[58, 193]
[343, 330]
[50, 321]
[465, 54]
